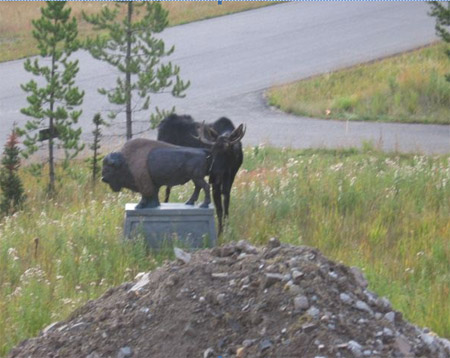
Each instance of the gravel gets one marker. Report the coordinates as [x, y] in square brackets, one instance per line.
[239, 301]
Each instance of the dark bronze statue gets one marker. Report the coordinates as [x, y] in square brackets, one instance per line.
[224, 141]
[144, 165]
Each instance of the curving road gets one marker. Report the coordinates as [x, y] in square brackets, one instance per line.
[231, 60]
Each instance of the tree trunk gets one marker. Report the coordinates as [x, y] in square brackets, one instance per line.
[51, 160]
[94, 161]
[128, 73]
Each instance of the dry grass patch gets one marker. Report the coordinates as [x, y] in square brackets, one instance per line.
[15, 20]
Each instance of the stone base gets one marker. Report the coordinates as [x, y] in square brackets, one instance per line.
[172, 224]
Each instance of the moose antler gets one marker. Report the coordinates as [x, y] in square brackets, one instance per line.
[201, 136]
[237, 134]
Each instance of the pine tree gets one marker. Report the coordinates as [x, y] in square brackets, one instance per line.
[12, 196]
[131, 47]
[95, 146]
[442, 14]
[52, 105]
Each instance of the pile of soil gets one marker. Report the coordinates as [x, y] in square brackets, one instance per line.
[239, 301]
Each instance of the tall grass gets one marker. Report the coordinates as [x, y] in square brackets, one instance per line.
[16, 40]
[405, 88]
[58, 253]
[388, 214]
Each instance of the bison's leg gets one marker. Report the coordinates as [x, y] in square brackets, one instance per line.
[195, 194]
[148, 202]
[217, 195]
[154, 202]
[205, 186]
[166, 200]
[143, 203]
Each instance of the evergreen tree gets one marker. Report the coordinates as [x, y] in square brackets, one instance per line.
[52, 105]
[12, 196]
[95, 146]
[131, 47]
[441, 11]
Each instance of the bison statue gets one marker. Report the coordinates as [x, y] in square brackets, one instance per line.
[144, 165]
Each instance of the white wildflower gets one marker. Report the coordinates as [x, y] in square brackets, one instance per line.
[13, 254]
[33, 273]
[66, 301]
[336, 167]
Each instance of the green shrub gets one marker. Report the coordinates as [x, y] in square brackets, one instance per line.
[12, 196]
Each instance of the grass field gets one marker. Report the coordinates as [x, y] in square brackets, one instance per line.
[407, 88]
[385, 213]
[16, 40]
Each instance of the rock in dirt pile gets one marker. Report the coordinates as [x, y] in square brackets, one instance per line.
[239, 301]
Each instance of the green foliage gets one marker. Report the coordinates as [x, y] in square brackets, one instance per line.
[131, 47]
[51, 105]
[345, 103]
[442, 14]
[12, 196]
[95, 146]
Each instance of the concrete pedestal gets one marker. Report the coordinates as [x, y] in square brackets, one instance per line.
[172, 224]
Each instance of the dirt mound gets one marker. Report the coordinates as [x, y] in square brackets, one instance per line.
[239, 301]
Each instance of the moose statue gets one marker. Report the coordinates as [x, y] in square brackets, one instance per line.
[222, 139]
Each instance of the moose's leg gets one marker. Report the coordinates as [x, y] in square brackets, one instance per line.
[218, 204]
[226, 190]
[166, 199]
[195, 194]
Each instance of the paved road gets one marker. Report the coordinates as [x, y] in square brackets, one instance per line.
[231, 60]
